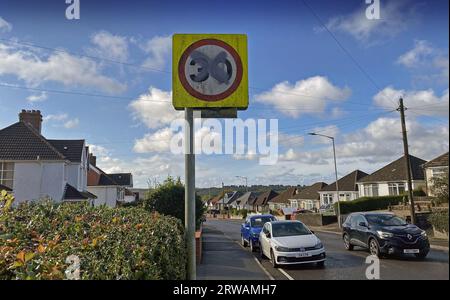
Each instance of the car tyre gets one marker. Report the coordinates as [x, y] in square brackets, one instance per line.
[252, 247]
[374, 248]
[272, 259]
[261, 253]
[243, 241]
[348, 246]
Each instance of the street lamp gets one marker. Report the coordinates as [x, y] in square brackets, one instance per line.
[336, 174]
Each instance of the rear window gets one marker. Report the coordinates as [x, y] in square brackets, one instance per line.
[260, 221]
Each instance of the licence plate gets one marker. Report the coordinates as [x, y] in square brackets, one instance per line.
[411, 251]
[299, 255]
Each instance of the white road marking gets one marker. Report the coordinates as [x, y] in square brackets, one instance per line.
[264, 269]
[286, 274]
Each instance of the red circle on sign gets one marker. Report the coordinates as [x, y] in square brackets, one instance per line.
[188, 87]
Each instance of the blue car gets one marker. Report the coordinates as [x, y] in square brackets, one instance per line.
[251, 228]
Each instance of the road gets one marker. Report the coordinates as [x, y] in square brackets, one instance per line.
[340, 265]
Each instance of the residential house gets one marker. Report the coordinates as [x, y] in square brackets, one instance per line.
[125, 180]
[230, 199]
[108, 191]
[435, 168]
[35, 167]
[392, 179]
[348, 189]
[283, 200]
[245, 201]
[308, 198]
[262, 201]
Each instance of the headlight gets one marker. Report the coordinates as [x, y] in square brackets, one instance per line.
[281, 249]
[319, 245]
[384, 235]
[423, 233]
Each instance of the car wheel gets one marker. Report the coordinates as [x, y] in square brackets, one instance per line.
[261, 253]
[374, 248]
[321, 264]
[421, 255]
[252, 247]
[347, 244]
[243, 242]
[272, 259]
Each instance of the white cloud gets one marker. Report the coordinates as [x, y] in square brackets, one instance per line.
[155, 109]
[37, 98]
[381, 141]
[424, 102]
[73, 123]
[309, 96]
[416, 56]
[158, 141]
[5, 26]
[396, 16]
[109, 46]
[59, 67]
[57, 117]
[158, 48]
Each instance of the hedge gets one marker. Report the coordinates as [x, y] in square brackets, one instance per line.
[439, 220]
[368, 204]
[121, 243]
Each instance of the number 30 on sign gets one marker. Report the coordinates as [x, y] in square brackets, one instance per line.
[210, 71]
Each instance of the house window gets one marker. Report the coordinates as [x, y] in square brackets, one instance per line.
[396, 189]
[439, 171]
[7, 174]
[294, 203]
[327, 199]
[309, 204]
[371, 190]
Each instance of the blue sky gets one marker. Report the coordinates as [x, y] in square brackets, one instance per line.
[343, 83]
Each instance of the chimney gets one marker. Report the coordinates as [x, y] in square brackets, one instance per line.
[32, 117]
[92, 159]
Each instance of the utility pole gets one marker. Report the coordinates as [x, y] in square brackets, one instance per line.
[189, 196]
[402, 109]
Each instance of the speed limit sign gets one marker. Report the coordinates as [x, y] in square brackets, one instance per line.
[210, 71]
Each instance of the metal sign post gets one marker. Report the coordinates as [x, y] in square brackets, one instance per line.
[189, 174]
[209, 75]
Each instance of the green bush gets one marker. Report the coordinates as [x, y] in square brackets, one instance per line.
[122, 243]
[168, 199]
[368, 204]
[439, 220]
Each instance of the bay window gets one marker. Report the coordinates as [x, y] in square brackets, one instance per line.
[7, 174]
[396, 189]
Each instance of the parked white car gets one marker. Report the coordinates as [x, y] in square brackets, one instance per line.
[290, 243]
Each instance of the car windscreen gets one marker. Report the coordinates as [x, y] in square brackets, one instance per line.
[289, 229]
[260, 221]
[385, 220]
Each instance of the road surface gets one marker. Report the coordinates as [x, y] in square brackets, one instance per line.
[341, 264]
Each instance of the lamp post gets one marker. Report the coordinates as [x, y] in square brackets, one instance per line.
[246, 181]
[336, 174]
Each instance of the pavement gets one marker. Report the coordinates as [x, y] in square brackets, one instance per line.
[224, 258]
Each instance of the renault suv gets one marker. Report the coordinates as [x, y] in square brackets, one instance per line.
[384, 234]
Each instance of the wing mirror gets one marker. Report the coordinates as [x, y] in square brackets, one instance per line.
[363, 224]
[267, 235]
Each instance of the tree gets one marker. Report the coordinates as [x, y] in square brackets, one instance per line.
[440, 187]
[168, 199]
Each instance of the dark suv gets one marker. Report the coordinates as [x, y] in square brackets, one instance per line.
[384, 233]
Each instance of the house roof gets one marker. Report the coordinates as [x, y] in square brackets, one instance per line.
[247, 198]
[123, 179]
[106, 180]
[71, 193]
[71, 149]
[5, 188]
[311, 192]
[346, 183]
[396, 171]
[266, 197]
[216, 199]
[21, 142]
[231, 197]
[440, 161]
[284, 197]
